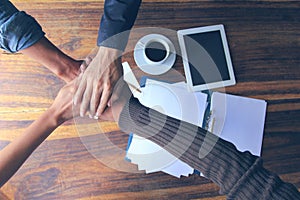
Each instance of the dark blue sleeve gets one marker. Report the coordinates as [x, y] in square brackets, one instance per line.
[18, 30]
[119, 16]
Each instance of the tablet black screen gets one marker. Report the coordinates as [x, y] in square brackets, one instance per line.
[201, 72]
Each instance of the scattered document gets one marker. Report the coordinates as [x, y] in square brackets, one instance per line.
[239, 120]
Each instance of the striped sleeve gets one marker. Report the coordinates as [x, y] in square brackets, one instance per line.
[240, 175]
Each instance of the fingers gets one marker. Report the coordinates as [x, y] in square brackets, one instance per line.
[83, 93]
[97, 91]
[86, 100]
[79, 93]
[86, 62]
[94, 99]
[62, 104]
[72, 89]
[106, 94]
[98, 76]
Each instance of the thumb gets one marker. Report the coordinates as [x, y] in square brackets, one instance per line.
[86, 62]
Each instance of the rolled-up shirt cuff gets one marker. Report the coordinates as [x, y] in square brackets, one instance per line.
[19, 32]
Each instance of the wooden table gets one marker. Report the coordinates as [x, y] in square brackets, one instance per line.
[264, 42]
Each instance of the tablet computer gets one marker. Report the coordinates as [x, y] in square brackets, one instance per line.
[206, 58]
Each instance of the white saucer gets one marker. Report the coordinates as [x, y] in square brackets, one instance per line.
[153, 69]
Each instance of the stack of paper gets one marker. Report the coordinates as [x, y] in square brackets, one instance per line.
[239, 120]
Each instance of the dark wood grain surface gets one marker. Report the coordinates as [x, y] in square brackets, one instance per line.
[264, 42]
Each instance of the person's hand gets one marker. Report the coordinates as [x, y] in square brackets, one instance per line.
[63, 107]
[120, 97]
[98, 80]
[71, 71]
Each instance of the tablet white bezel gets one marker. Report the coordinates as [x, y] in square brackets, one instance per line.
[184, 32]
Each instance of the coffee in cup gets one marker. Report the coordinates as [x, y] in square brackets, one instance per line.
[156, 51]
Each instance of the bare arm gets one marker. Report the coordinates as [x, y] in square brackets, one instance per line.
[15, 154]
[21, 32]
[54, 59]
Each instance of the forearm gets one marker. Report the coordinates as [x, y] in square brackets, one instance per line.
[16, 153]
[240, 175]
[191, 144]
[46, 53]
[21, 32]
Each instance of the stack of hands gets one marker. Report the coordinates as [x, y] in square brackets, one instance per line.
[92, 92]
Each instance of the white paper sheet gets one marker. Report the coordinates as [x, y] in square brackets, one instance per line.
[239, 120]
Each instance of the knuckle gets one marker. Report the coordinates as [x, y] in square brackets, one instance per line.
[107, 85]
[72, 89]
[98, 85]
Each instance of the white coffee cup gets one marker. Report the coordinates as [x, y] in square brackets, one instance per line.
[162, 61]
